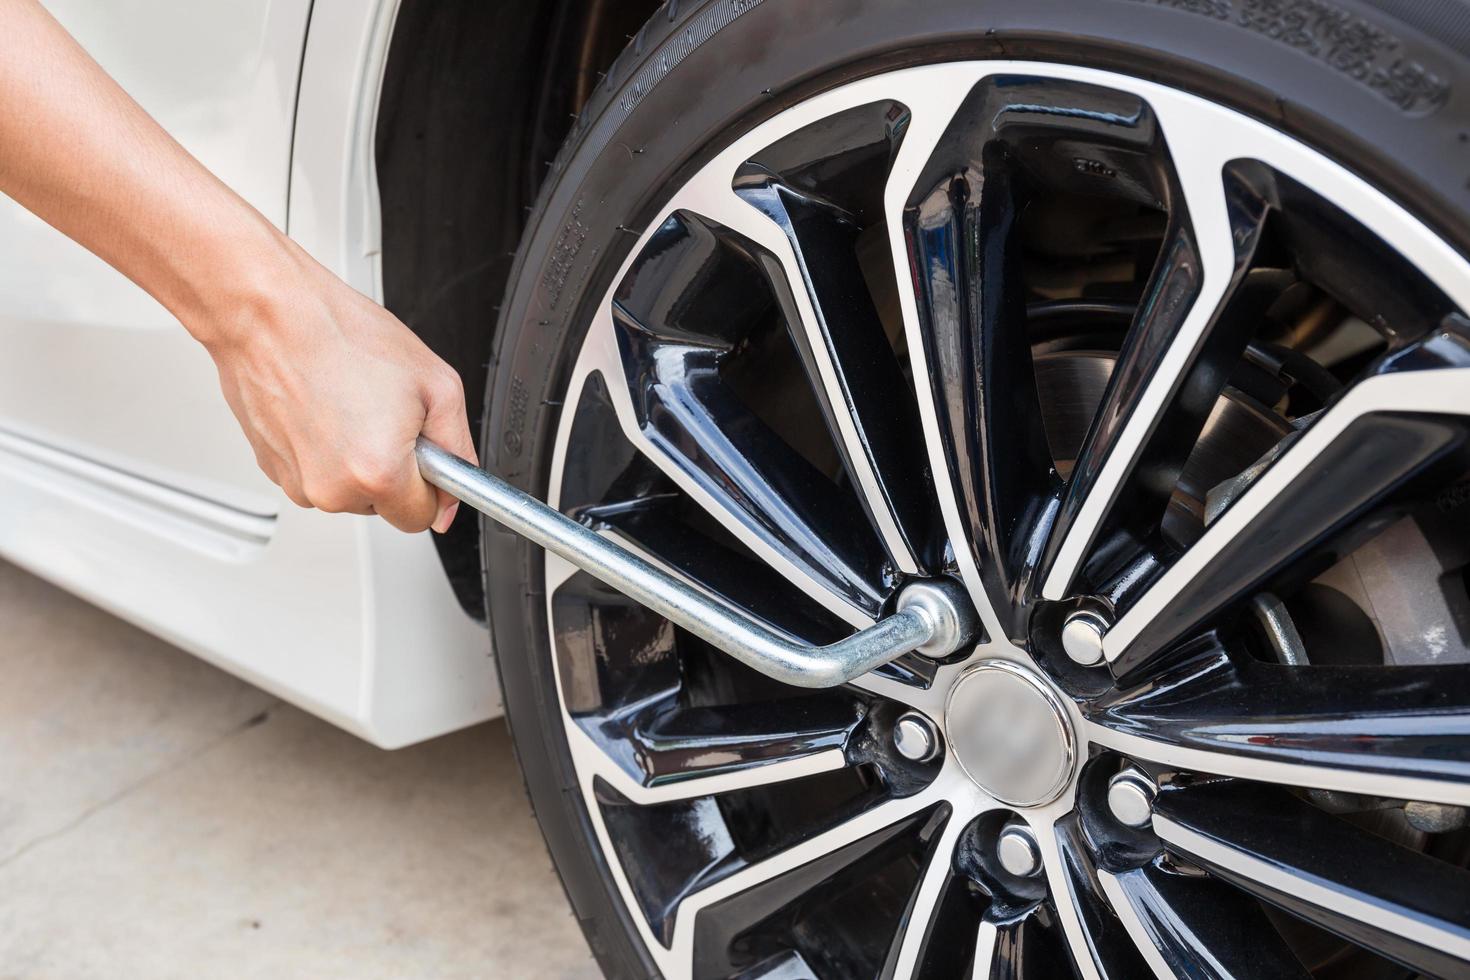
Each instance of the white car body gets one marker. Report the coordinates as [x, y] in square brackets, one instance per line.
[123, 475]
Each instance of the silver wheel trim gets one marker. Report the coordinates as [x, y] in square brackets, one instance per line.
[1202, 137]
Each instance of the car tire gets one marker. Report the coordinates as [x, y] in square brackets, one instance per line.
[1379, 87]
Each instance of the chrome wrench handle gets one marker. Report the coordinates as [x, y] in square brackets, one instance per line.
[934, 617]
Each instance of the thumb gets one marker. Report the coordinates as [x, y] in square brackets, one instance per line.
[446, 423]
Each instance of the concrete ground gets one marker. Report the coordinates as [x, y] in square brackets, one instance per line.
[161, 819]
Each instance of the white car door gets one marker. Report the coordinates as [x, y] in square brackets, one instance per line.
[91, 366]
[123, 475]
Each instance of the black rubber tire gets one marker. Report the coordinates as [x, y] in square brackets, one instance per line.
[1383, 87]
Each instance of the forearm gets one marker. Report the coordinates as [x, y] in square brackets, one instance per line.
[330, 389]
[82, 155]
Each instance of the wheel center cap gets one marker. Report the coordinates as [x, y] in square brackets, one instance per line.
[1010, 733]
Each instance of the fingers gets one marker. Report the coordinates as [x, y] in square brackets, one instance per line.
[330, 492]
[359, 483]
[380, 474]
[390, 484]
[333, 421]
[388, 481]
[447, 423]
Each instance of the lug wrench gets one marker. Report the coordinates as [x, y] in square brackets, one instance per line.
[933, 617]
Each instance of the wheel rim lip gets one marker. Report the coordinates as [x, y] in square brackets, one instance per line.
[1081, 730]
[1066, 773]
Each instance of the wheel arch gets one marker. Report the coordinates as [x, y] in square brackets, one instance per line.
[475, 100]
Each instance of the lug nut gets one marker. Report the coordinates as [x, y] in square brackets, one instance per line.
[1082, 636]
[1131, 798]
[1017, 851]
[915, 738]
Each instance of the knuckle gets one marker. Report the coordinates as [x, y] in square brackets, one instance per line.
[447, 384]
[330, 496]
[329, 502]
[408, 525]
[375, 475]
[296, 495]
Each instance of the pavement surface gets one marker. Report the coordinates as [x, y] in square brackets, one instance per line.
[162, 819]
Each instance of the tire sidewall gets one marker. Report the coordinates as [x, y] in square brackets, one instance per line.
[696, 78]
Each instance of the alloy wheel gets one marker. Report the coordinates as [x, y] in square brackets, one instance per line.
[1179, 400]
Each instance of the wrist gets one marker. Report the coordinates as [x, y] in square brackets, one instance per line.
[243, 284]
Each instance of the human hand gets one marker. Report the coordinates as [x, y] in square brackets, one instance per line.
[329, 387]
[332, 390]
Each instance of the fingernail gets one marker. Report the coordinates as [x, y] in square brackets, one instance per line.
[446, 517]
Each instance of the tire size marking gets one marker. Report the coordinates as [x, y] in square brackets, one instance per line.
[515, 419]
[1340, 39]
[563, 255]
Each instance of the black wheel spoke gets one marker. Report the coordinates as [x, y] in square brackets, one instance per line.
[1376, 443]
[693, 405]
[1401, 732]
[889, 449]
[850, 360]
[963, 224]
[614, 487]
[690, 744]
[1193, 926]
[766, 922]
[1133, 504]
[983, 377]
[1168, 299]
[1374, 456]
[937, 905]
[1402, 904]
[1106, 938]
[1019, 946]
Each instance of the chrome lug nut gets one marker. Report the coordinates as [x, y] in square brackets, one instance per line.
[945, 605]
[1131, 798]
[1082, 636]
[1017, 851]
[915, 737]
